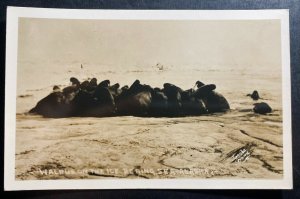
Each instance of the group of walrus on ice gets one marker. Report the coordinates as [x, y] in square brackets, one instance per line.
[90, 99]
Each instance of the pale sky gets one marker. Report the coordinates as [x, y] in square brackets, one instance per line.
[116, 42]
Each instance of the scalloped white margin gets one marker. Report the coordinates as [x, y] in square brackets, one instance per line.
[13, 13]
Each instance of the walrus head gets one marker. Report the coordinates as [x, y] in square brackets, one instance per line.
[116, 86]
[104, 84]
[93, 81]
[167, 85]
[56, 89]
[125, 87]
[199, 84]
[255, 95]
[84, 85]
[74, 81]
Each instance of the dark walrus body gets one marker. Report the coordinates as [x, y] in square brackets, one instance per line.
[91, 100]
[53, 105]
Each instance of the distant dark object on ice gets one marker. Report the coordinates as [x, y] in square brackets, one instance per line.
[262, 108]
[101, 100]
[254, 95]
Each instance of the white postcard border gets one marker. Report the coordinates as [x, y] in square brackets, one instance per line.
[14, 13]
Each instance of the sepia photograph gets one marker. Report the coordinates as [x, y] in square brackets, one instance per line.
[161, 95]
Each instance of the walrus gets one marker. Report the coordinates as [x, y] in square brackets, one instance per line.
[58, 103]
[135, 88]
[136, 84]
[174, 98]
[193, 106]
[93, 82]
[172, 92]
[172, 87]
[137, 104]
[105, 103]
[115, 90]
[125, 88]
[199, 84]
[159, 103]
[84, 85]
[254, 95]
[70, 92]
[83, 102]
[156, 89]
[187, 94]
[204, 90]
[134, 101]
[121, 92]
[53, 106]
[89, 85]
[104, 96]
[56, 89]
[74, 81]
[190, 104]
[104, 84]
[215, 102]
[73, 88]
[98, 104]
[262, 108]
[127, 91]
[92, 85]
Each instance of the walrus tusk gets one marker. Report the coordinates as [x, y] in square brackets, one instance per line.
[194, 86]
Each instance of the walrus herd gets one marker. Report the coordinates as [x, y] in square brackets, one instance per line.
[90, 99]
